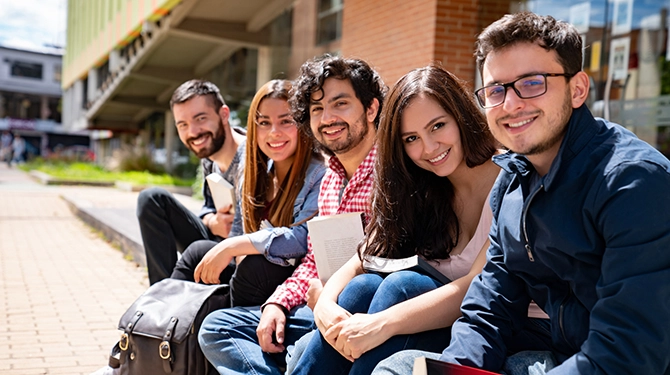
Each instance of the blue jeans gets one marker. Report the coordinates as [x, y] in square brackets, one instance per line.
[369, 293]
[228, 339]
[522, 363]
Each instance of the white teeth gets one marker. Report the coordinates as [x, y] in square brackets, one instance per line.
[439, 157]
[198, 141]
[332, 131]
[518, 124]
[277, 144]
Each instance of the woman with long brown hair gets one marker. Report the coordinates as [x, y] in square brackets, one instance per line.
[433, 176]
[278, 194]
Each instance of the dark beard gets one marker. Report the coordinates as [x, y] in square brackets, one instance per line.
[218, 139]
[351, 141]
[558, 136]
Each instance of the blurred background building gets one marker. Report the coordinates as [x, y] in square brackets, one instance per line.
[30, 101]
[124, 58]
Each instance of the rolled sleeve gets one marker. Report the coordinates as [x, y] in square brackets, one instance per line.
[284, 245]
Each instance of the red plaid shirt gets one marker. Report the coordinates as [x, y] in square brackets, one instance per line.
[355, 197]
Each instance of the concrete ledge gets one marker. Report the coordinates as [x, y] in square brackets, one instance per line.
[129, 186]
[115, 224]
[47, 179]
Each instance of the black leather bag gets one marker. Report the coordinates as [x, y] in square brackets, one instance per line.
[160, 329]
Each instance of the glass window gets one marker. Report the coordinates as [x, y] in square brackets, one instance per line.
[57, 73]
[27, 70]
[329, 21]
[627, 57]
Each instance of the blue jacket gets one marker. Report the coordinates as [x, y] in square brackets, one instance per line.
[284, 245]
[590, 244]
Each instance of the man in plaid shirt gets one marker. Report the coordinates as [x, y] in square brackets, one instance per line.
[337, 101]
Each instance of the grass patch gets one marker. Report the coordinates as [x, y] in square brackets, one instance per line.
[79, 171]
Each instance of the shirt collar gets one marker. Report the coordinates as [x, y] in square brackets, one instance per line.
[364, 169]
[582, 127]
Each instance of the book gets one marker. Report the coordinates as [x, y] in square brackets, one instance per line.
[334, 240]
[223, 192]
[427, 366]
[414, 263]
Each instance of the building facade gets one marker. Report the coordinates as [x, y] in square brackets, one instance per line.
[126, 57]
[30, 100]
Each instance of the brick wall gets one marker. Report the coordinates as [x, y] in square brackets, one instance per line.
[394, 36]
[455, 31]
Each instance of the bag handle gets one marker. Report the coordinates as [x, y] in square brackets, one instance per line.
[124, 342]
[114, 356]
[164, 347]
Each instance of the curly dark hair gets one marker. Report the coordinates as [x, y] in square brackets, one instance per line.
[367, 85]
[529, 27]
[412, 208]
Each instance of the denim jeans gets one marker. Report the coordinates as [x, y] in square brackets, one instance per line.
[252, 282]
[522, 363]
[369, 293]
[402, 363]
[167, 227]
[228, 339]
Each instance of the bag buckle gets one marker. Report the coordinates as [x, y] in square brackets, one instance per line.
[164, 350]
[123, 343]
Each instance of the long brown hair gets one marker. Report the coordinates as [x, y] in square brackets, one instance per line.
[412, 208]
[256, 178]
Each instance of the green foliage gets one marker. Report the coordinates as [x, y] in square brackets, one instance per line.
[665, 76]
[139, 162]
[187, 170]
[91, 172]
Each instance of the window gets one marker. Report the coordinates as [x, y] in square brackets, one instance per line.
[27, 70]
[329, 21]
[57, 73]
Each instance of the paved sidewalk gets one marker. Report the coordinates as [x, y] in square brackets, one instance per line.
[62, 287]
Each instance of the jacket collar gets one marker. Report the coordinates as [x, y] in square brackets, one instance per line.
[582, 127]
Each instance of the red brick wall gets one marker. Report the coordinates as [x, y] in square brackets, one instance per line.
[394, 36]
[456, 27]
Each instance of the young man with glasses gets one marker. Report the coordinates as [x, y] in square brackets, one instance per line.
[580, 222]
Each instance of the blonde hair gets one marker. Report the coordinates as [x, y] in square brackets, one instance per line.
[256, 178]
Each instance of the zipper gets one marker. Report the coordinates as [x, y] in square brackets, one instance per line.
[523, 224]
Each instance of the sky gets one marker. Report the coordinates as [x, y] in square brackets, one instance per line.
[33, 24]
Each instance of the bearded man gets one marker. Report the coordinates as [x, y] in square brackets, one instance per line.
[167, 227]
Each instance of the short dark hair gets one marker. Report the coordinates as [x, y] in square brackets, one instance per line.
[197, 87]
[367, 85]
[545, 31]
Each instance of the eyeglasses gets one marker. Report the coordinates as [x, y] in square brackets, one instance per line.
[526, 87]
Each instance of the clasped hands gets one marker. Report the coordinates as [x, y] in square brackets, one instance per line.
[351, 335]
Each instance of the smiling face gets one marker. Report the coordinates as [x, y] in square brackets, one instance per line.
[532, 127]
[276, 132]
[431, 137]
[337, 117]
[200, 126]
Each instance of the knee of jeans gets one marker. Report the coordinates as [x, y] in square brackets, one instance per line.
[360, 288]
[148, 197]
[408, 283]
[366, 283]
[211, 327]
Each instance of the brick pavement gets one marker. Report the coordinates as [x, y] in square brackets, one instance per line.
[62, 288]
